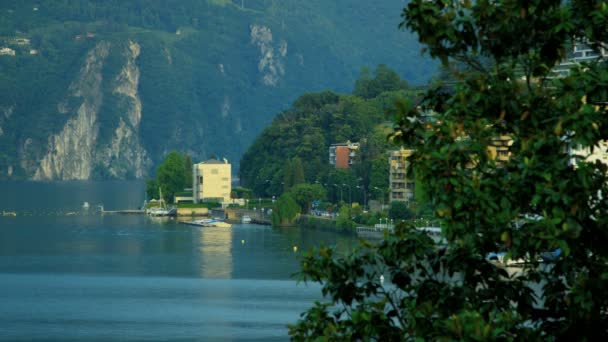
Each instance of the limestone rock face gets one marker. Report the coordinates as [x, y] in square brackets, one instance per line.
[70, 153]
[125, 157]
[271, 63]
[76, 152]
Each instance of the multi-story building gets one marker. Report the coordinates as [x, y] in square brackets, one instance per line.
[500, 149]
[211, 181]
[401, 187]
[599, 153]
[342, 155]
[580, 52]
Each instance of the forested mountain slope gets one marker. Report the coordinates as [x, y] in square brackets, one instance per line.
[103, 89]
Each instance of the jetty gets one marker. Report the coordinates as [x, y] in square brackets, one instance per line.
[124, 212]
[102, 211]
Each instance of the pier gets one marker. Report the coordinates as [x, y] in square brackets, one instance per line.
[124, 212]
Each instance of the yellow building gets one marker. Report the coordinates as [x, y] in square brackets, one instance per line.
[401, 188]
[499, 149]
[212, 181]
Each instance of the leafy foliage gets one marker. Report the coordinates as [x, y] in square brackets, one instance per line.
[240, 192]
[344, 220]
[304, 194]
[384, 79]
[172, 176]
[294, 149]
[293, 173]
[285, 211]
[541, 198]
[400, 211]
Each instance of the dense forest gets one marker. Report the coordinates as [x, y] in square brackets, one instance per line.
[294, 148]
[206, 76]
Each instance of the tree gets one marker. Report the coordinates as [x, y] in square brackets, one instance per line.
[305, 193]
[399, 211]
[344, 220]
[285, 211]
[240, 192]
[384, 79]
[293, 173]
[539, 202]
[379, 178]
[172, 175]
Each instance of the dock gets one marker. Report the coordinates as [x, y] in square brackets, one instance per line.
[124, 212]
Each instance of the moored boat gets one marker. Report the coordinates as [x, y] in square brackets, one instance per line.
[211, 222]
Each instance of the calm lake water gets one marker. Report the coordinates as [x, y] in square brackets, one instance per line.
[69, 274]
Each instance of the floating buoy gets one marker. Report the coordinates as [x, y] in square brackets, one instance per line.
[295, 248]
[242, 242]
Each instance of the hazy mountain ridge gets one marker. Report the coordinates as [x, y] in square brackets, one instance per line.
[198, 76]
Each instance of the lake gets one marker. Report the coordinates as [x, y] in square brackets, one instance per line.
[67, 273]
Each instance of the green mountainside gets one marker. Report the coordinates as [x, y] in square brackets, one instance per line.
[104, 89]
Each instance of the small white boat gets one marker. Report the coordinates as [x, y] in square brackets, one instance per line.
[212, 222]
[162, 209]
[246, 219]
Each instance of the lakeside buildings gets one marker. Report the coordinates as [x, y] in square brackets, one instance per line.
[342, 155]
[580, 53]
[211, 181]
[401, 188]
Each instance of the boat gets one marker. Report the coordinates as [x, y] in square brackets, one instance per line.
[162, 209]
[158, 211]
[210, 222]
[246, 219]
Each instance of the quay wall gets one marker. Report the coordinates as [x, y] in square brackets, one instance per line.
[192, 212]
[235, 215]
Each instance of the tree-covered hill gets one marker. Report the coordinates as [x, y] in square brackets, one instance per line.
[103, 89]
[298, 139]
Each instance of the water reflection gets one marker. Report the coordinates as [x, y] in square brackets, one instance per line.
[215, 252]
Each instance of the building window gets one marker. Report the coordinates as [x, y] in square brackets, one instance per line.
[214, 171]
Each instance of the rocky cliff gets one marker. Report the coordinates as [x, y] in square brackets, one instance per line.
[104, 89]
[75, 152]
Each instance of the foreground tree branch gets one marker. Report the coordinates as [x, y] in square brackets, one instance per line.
[541, 200]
